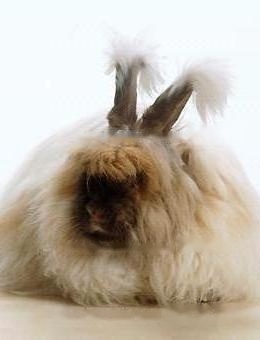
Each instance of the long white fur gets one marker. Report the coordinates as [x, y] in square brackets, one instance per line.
[136, 52]
[223, 258]
[210, 81]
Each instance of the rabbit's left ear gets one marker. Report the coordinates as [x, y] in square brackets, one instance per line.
[159, 118]
[206, 82]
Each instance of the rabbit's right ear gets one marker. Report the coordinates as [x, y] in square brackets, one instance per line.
[123, 113]
[205, 81]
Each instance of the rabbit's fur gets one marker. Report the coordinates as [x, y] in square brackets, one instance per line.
[134, 213]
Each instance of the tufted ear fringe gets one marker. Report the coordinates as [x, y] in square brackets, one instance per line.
[206, 82]
[209, 87]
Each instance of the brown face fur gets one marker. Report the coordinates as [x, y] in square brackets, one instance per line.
[109, 182]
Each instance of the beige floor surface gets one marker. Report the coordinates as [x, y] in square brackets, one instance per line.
[42, 318]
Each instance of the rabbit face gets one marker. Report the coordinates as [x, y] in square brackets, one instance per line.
[108, 184]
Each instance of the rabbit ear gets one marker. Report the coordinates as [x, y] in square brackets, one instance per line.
[135, 65]
[209, 87]
[123, 113]
[159, 118]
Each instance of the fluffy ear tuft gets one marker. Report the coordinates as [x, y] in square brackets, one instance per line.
[129, 53]
[210, 82]
[207, 83]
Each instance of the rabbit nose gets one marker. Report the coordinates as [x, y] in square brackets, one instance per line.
[96, 214]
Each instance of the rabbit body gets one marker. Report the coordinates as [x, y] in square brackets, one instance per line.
[101, 216]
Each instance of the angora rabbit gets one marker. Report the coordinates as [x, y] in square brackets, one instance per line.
[134, 212]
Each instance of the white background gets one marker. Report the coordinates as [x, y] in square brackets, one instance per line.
[52, 64]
